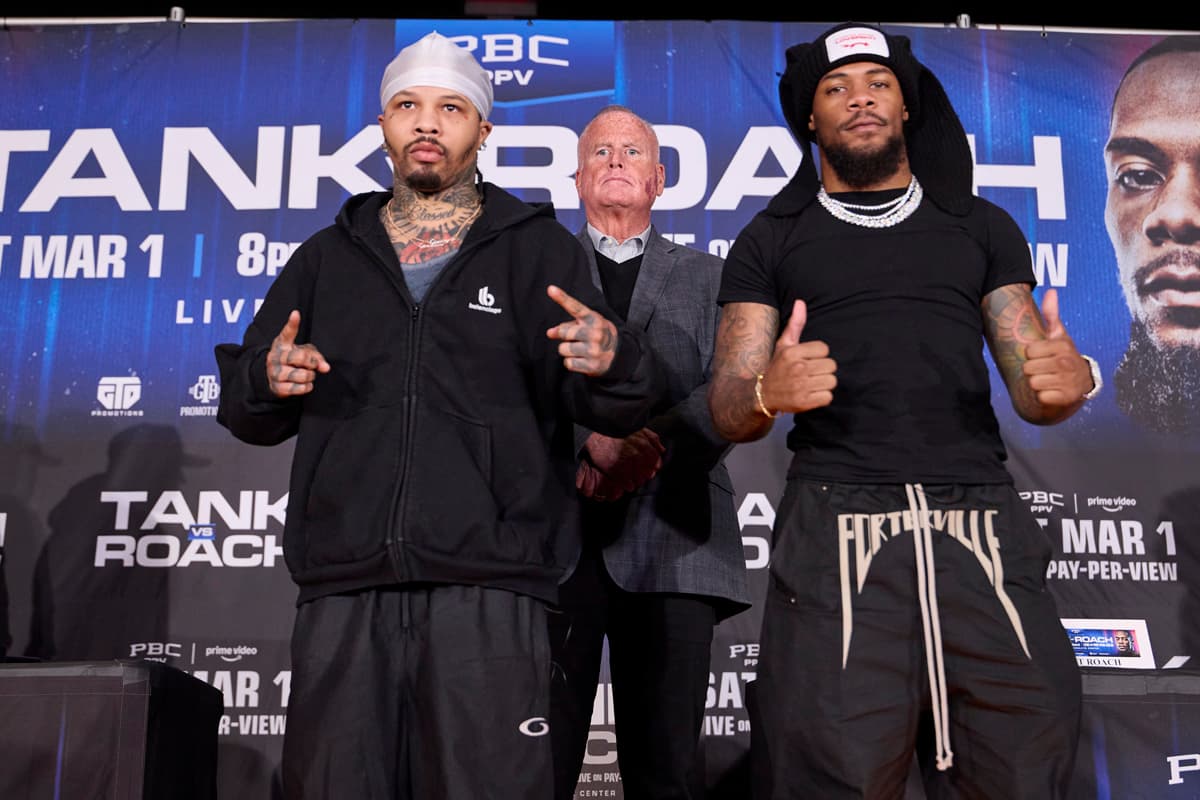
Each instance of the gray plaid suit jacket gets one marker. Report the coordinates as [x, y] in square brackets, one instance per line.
[680, 532]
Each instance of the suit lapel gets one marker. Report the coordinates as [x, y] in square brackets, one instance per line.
[590, 249]
[657, 263]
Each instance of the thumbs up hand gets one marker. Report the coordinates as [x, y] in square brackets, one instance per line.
[1056, 372]
[292, 368]
[801, 375]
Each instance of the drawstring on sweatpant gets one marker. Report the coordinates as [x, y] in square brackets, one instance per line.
[930, 622]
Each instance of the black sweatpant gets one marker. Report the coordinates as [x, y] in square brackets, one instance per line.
[433, 693]
[844, 686]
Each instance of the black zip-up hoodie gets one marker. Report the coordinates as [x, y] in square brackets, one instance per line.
[439, 447]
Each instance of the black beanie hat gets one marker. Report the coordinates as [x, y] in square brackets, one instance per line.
[938, 153]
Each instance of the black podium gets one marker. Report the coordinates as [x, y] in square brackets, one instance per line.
[118, 730]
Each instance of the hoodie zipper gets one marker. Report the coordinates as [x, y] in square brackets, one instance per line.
[396, 537]
[396, 540]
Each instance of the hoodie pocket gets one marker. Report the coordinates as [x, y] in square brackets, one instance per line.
[353, 483]
[451, 506]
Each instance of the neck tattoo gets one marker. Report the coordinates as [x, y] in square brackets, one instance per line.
[398, 233]
[425, 244]
[882, 215]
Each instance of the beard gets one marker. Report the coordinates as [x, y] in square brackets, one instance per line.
[1159, 388]
[434, 178]
[424, 180]
[860, 170]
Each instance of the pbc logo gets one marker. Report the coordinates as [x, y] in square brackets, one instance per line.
[1044, 502]
[556, 60]
[156, 650]
[743, 650]
[206, 389]
[511, 48]
[1182, 764]
[119, 394]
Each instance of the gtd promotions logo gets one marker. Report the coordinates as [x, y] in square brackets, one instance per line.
[532, 62]
[118, 395]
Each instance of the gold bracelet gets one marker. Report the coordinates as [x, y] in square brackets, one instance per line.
[758, 396]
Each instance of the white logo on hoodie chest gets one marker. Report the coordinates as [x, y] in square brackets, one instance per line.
[485, 301]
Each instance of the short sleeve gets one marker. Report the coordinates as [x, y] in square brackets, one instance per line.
[1007, 250]
[749, 272]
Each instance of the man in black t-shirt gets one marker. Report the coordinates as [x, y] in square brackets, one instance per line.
[901, 548]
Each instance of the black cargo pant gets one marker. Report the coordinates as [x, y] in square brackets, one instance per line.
[873, 590]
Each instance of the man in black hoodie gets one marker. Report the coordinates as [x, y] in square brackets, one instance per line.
[430, 355]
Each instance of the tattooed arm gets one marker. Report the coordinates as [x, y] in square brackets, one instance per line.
[797, 376]
[1045, 375]
[265, 378]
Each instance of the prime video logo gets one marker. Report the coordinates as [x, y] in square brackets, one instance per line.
[531, 62]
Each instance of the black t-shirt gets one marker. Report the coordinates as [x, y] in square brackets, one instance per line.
[900, 310]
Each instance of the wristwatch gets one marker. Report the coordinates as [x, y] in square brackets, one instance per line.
[1097, 381]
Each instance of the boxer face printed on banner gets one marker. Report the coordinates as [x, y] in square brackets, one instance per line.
[1153, 218]
[1123, 640]
[1153, 208]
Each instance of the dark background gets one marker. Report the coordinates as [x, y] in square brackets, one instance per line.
[1148, 16]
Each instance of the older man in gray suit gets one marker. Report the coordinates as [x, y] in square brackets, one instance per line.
[662, 560]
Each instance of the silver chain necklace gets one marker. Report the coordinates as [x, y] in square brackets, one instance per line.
[884, 215]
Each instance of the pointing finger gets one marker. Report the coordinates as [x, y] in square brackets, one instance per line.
[569, 304]
[290, 328]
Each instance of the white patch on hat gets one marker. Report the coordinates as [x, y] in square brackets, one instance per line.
[437, 61]
[856, 42]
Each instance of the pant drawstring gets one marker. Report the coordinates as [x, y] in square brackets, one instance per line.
[930, 622]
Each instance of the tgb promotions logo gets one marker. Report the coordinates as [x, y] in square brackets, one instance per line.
[118, 396]
[532, 61]
[206, 390]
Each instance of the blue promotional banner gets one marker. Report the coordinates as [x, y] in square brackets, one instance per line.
[155, 178]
